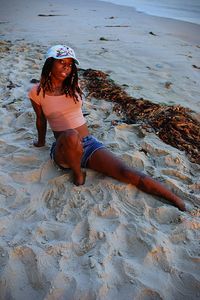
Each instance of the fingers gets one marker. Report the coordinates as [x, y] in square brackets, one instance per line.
[39, 144]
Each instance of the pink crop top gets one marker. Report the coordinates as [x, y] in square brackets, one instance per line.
[61, 112]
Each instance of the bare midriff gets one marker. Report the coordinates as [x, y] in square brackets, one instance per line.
[82, 130]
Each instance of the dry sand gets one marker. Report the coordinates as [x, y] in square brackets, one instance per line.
[104, 240]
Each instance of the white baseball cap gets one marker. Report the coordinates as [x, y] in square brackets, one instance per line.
[60, 52]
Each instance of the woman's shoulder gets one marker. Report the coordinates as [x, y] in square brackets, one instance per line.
[34, 95]
[33, 89]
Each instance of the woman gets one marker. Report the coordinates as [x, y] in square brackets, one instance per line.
[57, 99]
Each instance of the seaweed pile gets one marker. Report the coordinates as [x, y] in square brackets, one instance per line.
[174, 125]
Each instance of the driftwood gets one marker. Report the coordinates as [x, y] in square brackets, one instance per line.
[173, 124]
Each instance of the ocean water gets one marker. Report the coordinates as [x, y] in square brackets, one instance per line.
[184, 10]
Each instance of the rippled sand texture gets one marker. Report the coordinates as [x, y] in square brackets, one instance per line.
[103, 240]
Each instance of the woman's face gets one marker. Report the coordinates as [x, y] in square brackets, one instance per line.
[62, 68]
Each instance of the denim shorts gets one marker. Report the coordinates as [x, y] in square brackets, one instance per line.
[90, 145]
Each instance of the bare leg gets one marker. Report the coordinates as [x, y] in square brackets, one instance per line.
[105, 162]
[69, 151]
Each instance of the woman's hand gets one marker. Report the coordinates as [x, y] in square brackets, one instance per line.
[39, 144]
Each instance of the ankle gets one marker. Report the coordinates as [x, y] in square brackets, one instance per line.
[79, 179]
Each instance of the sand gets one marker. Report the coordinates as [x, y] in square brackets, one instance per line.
[106, 239]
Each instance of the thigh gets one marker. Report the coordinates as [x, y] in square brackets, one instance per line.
[107, 163]
[68, 148]
[103, 160]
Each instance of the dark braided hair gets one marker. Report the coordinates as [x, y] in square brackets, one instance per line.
[71, 86]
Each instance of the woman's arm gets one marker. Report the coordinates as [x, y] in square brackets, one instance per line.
[41, 124]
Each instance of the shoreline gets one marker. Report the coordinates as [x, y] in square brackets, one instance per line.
[181, 29]
[151, 12]
[147, 61]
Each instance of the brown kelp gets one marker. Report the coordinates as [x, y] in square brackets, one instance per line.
[175, 125]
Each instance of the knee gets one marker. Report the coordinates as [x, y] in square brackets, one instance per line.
[131, 175]
[125, 171]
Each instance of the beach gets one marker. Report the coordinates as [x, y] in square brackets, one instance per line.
[173, 9]
[105, 239]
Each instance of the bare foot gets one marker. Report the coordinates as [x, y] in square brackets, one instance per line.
[79, 179]
[180, 204]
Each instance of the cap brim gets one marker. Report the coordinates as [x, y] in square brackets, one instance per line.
[61, 57]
